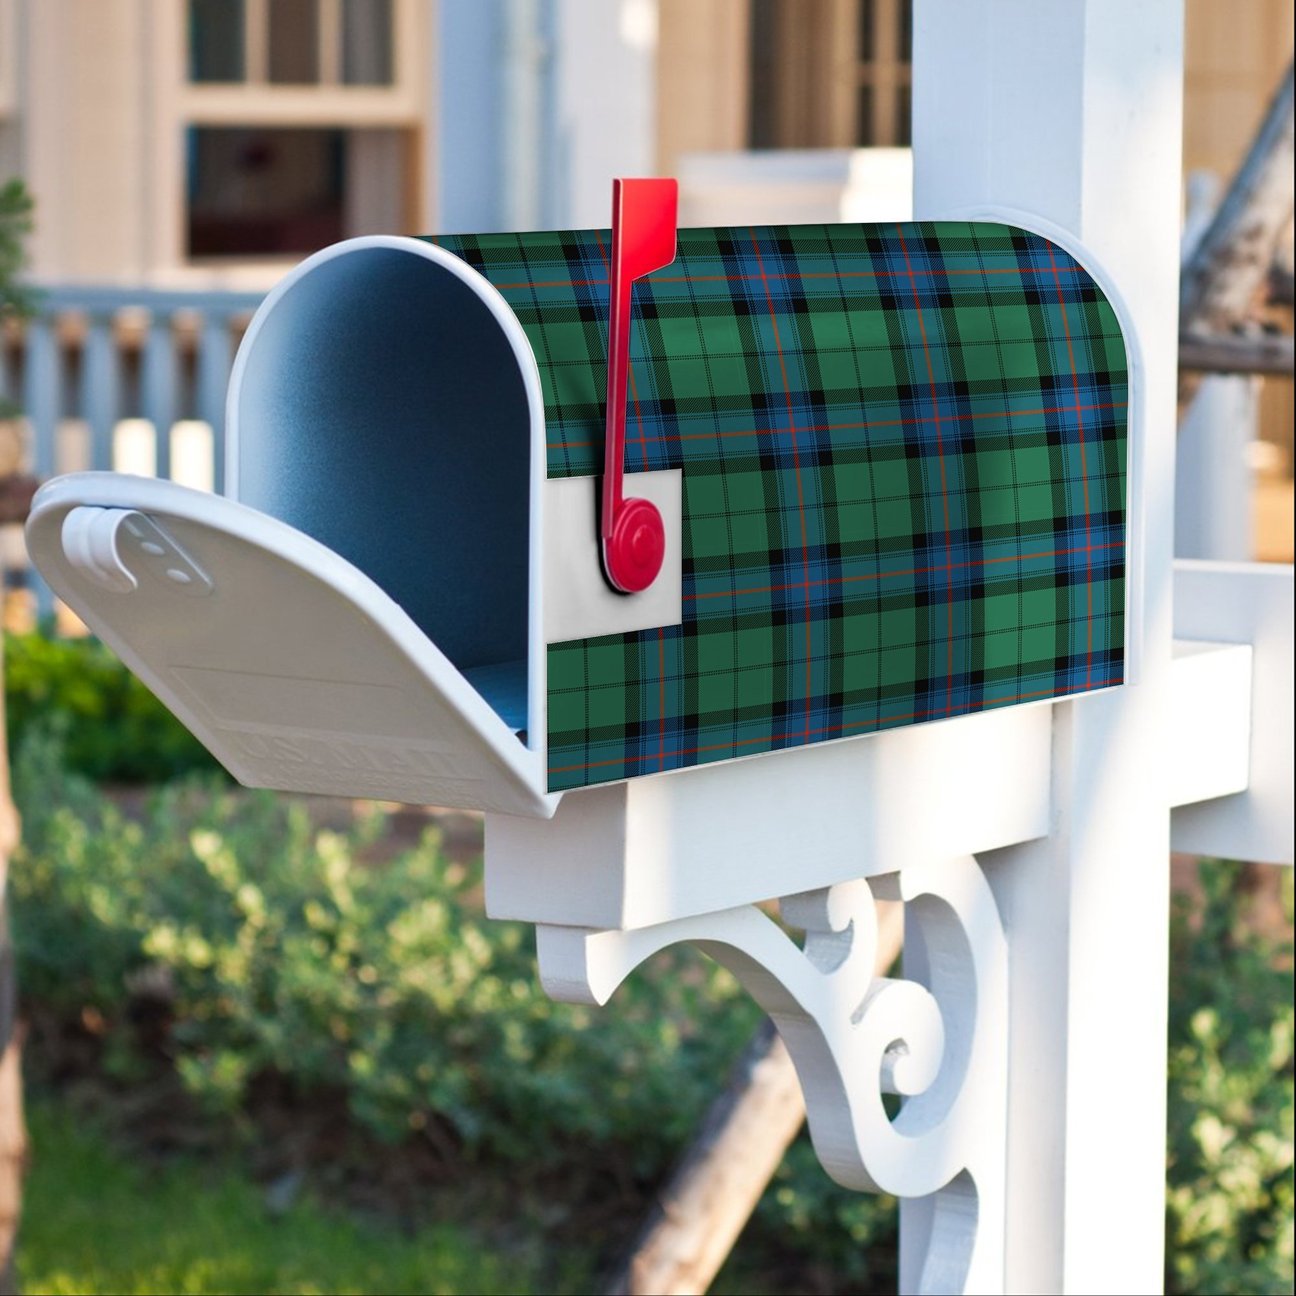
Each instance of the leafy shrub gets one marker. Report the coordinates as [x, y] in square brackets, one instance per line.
[283, 954]
[113, 728]
[1230, 1198]
[848, 1240]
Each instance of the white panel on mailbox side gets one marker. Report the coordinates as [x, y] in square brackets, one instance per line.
[287, 662]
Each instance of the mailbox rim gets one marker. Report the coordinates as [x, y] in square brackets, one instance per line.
[537, 737]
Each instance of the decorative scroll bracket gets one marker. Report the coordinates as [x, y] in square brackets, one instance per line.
[937, 1037]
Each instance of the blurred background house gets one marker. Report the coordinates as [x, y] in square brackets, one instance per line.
[184, 153]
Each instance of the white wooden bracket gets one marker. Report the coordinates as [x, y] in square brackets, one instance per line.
[935, 1037]
[1227, 711]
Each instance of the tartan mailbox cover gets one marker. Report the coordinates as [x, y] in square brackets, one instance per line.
[891, 459]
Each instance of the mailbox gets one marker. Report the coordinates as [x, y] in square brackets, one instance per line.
[887, 464]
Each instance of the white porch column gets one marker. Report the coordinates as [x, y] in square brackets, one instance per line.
[1214, 509]
[469, 68]
[1071, 111]
[604, 91]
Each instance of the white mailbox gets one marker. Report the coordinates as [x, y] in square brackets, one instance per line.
[876, 476]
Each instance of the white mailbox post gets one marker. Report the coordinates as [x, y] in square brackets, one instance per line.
[323, 635]
[1086, 907]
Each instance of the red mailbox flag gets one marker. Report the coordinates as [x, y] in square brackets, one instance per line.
[644, 216]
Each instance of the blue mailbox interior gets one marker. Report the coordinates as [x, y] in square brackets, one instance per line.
[382, 411]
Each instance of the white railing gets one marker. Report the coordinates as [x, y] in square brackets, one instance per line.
[131, 380]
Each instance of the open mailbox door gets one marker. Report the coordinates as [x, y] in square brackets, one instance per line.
[293, 667]
[363, 619]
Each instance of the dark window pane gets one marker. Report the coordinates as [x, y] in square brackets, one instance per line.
[903, 116]
[216, 40]
[762, 55]
[367, 42]
[864, 116]
[904, 34]
[294, 42]
[866, 18]
[267, 192]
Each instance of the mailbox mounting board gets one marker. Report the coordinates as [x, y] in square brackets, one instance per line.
[903, 451]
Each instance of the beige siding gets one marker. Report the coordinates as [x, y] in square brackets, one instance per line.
[701, 78]
[1234, 54]
[84, 70]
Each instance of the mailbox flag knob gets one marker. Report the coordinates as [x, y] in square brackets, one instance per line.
[644, 216]
[634, 552]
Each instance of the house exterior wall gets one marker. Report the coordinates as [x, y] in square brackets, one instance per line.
[605, 94]
[467, 72]
[82, 111]
[540, 104]
[520, 109]
[94, 116]
[1232, 64]
[702, 79]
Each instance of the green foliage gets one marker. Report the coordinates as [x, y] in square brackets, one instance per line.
[112, 727]
[94, 1221]
[15, 225]
[847, 1239]
[283, 954]
[1230, 1197]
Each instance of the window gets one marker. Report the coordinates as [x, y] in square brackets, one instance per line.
[264, 192]
[293, 53]
[256, 192]
[884, 71]
[291, 42]
[366, 42]
[830, 73]
[216, 49]
[297, 123]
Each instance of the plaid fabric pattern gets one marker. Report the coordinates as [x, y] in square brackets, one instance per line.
[903, 452]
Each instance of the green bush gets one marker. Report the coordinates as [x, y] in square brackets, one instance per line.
[282, 953]
[1230, 1200]
[113, 728]
[845, 1240]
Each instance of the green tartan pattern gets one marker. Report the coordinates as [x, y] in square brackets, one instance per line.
[903, 452]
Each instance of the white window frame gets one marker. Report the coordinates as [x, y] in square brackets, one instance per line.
[181, 104]
[319, 103]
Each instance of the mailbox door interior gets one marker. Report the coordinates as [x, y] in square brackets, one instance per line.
[290, 664]
[386, 403]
